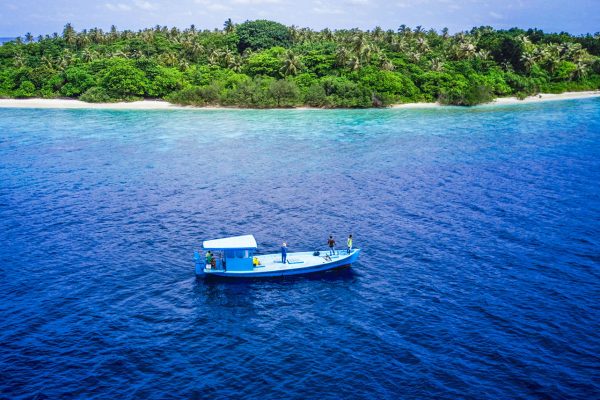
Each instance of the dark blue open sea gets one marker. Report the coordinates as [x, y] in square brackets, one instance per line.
[5, 40]
[479, 276]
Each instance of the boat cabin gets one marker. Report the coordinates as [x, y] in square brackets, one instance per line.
[234, 253]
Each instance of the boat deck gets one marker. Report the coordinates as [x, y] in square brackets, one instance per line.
[271, 263]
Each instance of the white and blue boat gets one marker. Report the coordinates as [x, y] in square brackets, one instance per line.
[235, 257]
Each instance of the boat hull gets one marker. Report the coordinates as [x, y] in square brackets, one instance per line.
[301, 264]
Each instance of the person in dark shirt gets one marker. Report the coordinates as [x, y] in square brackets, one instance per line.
[283, 253]
[331, 243]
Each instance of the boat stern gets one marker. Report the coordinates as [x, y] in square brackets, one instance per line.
[199, 264]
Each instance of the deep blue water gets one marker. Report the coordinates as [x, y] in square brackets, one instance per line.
[5, 39]
[479, 276]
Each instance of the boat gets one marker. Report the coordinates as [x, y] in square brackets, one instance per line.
[235, 257]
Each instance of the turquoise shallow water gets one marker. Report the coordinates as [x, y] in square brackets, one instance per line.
[478, 278]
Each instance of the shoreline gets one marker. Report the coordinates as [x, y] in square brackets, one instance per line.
[164, 105]
[503, 101]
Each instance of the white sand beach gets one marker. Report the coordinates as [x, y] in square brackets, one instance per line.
[547, 97]
[163, 105]
[513, 100]
[73, 104]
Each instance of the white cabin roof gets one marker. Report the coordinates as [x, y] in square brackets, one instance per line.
[245, 242]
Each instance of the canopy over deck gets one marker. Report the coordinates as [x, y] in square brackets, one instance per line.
[246, 242]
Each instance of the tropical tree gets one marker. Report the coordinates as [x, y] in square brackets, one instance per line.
[19, 60]
[342, 56]
[123, 80]
[69, 34]
[89, 55]
[284, 92]
[228, 26]
[291, 64]
[262, 34]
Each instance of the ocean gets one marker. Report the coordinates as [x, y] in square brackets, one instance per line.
[478, 278]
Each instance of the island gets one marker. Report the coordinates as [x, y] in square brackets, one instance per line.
[265, 64]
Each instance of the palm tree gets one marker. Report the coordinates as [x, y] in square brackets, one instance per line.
[97, 35]
[291, 64]
[183, 64]
[529, 59]
[365, 54]
[551, 56]
[327, 34]
[359, 43]
[47, 62]
[89, 55]
[192, 49]
[422, 45]
[174, 32]
[386, 64]
[582, 68]
[342, 56]
[147, 36]
[69, 34]
[28, 37]
[82, 41]
[247, 53]
[465, 49]
[355, 63]
[214, 57]
[361, 48]
[137, 53]
[62, 63]
[396, 44]
[436, 64]
[229, 58]
[19, 60]
[238, 65]
[119, 54]
[404, 30]
[482, 54]
[114, 34]
[377, 33]
[414, 55]
[228, 26]
[169, 59]
[294, 33]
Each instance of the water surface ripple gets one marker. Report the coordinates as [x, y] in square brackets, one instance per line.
[479, 276]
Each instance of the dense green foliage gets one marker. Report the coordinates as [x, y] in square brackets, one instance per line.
[262, 34]
[266, 64]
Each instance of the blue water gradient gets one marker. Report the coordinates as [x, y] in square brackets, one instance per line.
[479, 276]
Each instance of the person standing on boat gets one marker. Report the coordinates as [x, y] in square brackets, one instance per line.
[283, 253]
[209, 258]
[331, 243]
[349, 242]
